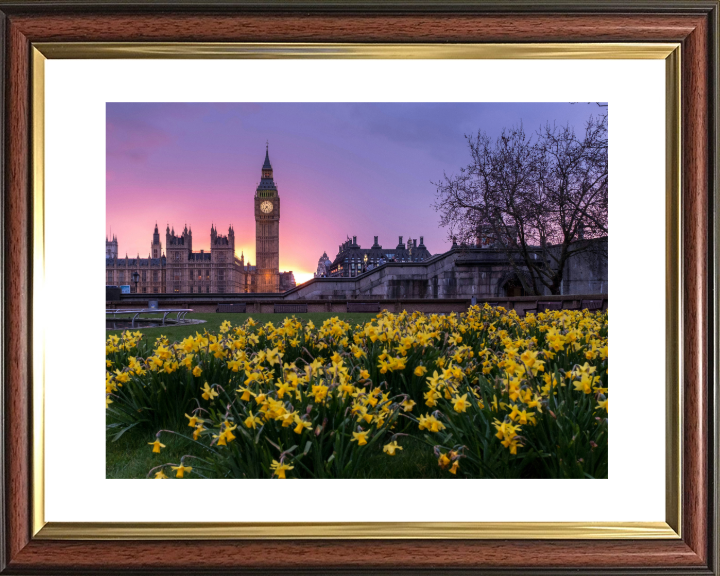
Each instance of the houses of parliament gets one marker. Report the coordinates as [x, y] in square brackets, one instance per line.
[179, 269]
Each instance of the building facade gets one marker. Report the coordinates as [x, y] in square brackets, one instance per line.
[216, 272]
[461, 272]
[151, 273]
[180, 269]
[322, 268]
[352, 259]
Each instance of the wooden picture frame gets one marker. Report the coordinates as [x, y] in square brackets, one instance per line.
[692, 25]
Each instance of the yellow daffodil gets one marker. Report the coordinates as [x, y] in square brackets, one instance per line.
[193, 420]
[320, 392]
[181, 470]
[156, 446]
[252, 421]
[280, 469]
[391, 448]
[301, 425]
[460, 403]
[360, 437]
[407, 405]
[209, 393]
[430, 423]
[198, 431]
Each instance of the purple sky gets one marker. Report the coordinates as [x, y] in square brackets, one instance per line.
[360, 169]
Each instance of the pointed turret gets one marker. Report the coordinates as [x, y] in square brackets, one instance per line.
[266, 182]
[267, 165]
[156, 245]
[111, 247]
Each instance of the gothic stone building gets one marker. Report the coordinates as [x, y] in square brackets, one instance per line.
[351, 259]
[461, 272]
[181, 270]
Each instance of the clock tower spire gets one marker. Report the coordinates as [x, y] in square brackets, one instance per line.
[267, 230]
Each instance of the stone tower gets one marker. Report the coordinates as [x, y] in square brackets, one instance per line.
[178, 251]
[267, 231]
[111, 247]
[222, 249]
[156, 246]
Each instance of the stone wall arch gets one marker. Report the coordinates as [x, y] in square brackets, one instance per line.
[511, 277]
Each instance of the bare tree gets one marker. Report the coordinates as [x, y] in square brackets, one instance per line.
[543, 198]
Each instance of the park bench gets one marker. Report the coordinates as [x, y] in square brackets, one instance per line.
[591, 305]
[290, 308]
[363, 307]
[179, 319]
[232, 308]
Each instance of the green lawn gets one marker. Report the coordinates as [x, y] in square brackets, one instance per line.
[131, 457]
[213, 321]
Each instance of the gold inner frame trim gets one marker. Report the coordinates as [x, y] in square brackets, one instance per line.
[38, 283]
[355, 530]
[669, 529]
[234, 50]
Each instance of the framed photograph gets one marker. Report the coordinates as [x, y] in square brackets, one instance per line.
[442, 399]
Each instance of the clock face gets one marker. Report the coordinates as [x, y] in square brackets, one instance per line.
[266, 207]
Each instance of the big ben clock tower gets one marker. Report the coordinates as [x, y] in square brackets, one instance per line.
[267, 231]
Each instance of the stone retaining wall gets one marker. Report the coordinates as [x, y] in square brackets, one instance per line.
[205, 303]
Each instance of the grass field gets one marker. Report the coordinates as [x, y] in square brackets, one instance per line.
[454, 390]
[131, 458]
[213, 321]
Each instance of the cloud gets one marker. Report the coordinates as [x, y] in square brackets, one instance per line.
[436, 129]
[134, 139]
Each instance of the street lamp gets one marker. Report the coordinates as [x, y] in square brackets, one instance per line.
[136, 279]
[365, 265]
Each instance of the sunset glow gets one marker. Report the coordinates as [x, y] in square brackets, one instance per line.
[341, 169]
